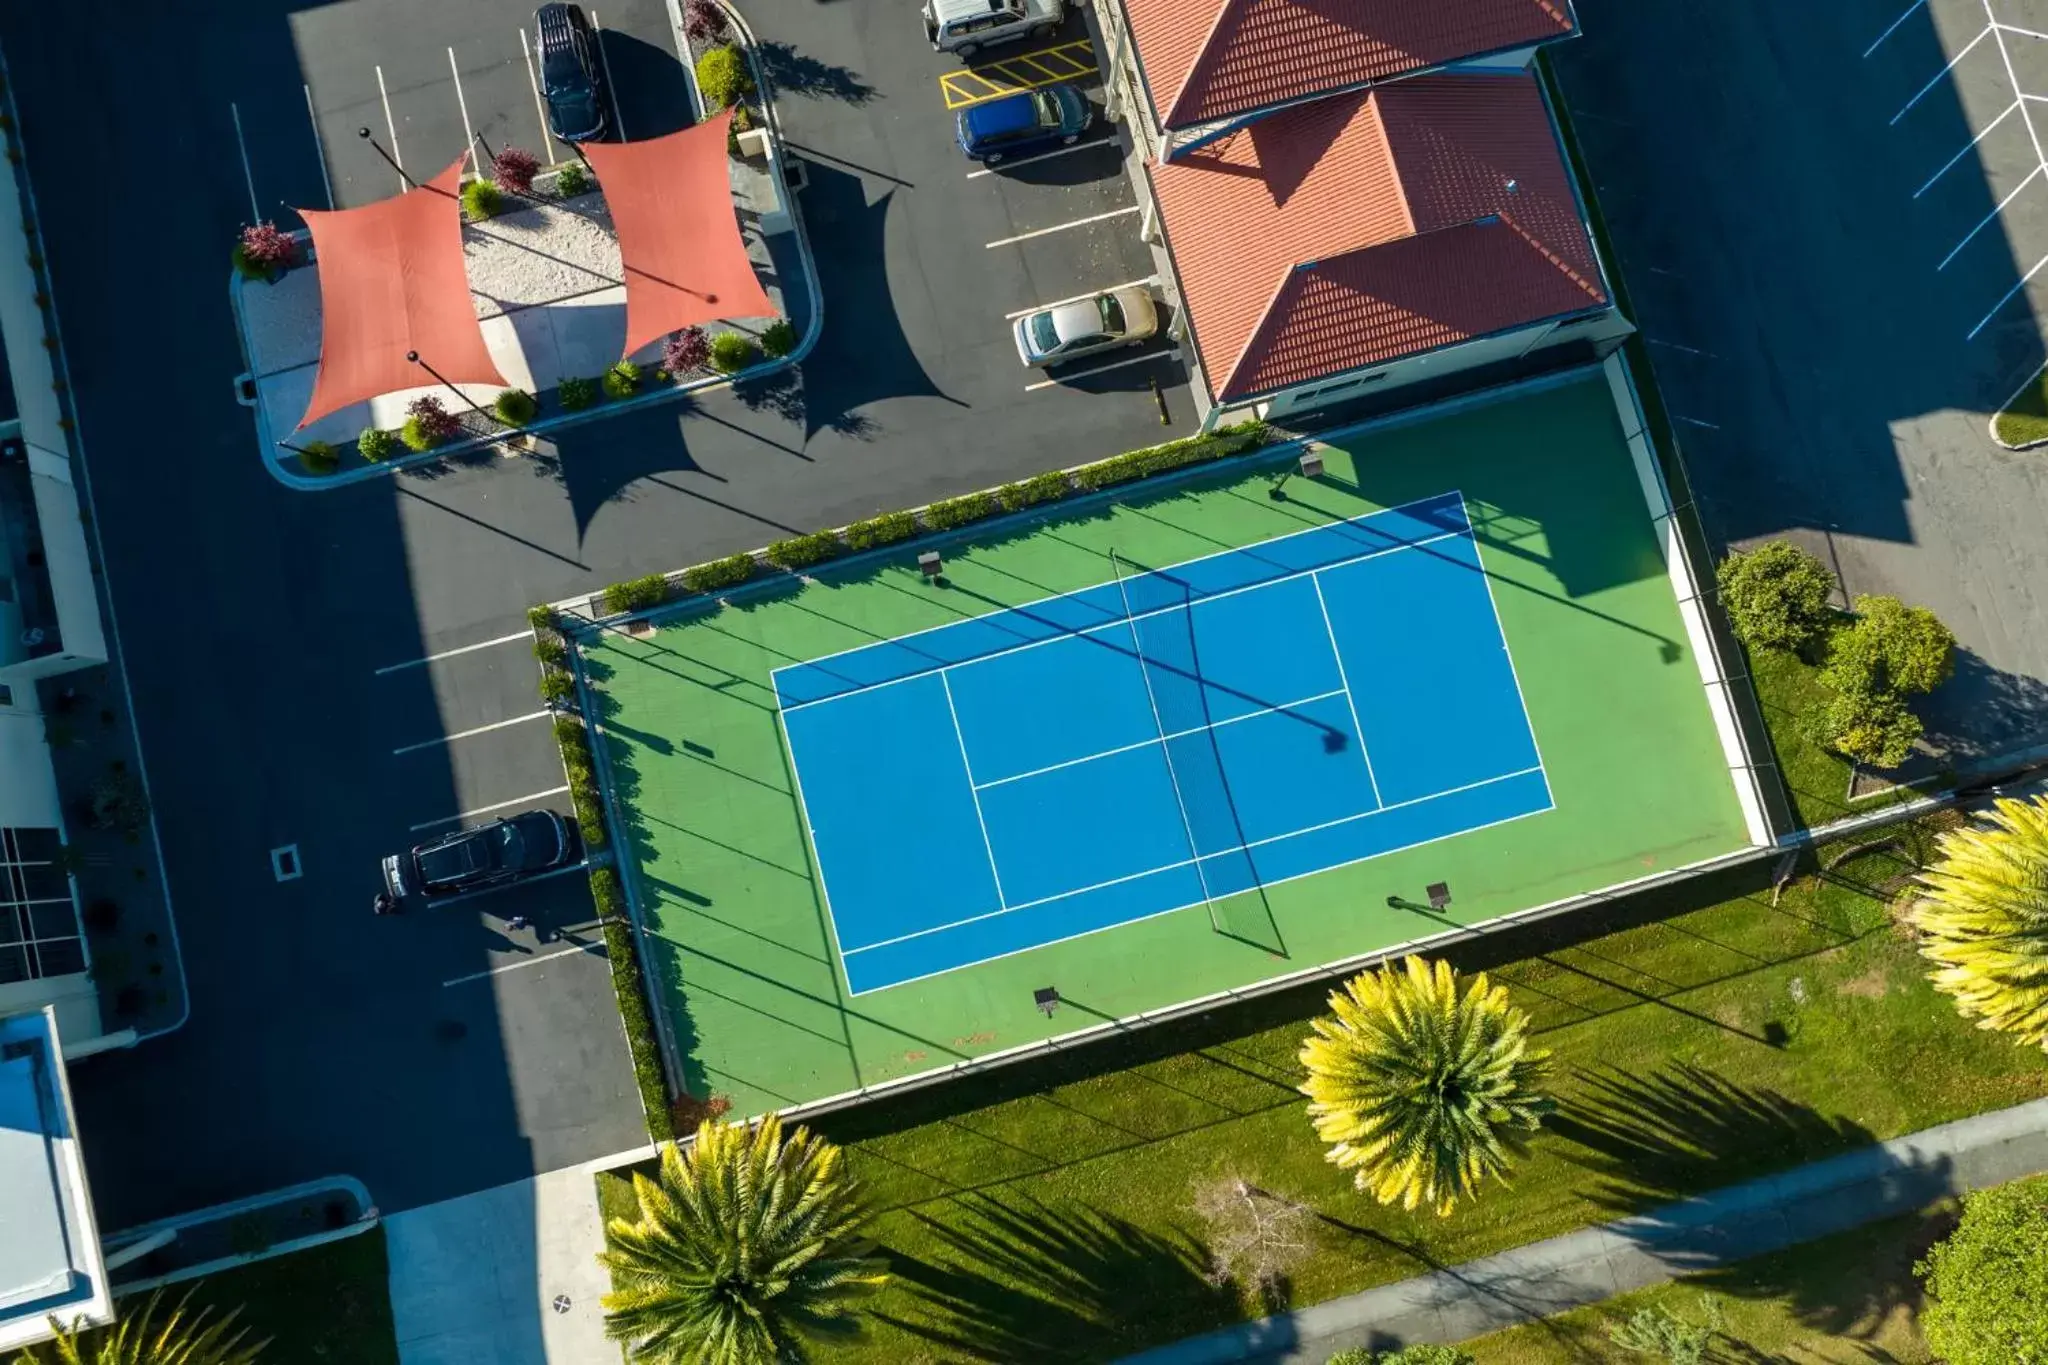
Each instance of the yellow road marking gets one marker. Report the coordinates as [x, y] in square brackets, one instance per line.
[1023, 72]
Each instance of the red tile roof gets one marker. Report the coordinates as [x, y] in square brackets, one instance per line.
[1362, 228]
[1208, 59]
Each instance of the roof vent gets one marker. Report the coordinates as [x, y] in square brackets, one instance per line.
[1514, 187]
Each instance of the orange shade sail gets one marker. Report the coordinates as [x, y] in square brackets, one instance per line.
[393, 281]
[671, 204]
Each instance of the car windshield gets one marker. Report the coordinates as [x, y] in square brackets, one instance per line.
[511, 848]
[1047, 108]
[1112, 315]
[1043, 336]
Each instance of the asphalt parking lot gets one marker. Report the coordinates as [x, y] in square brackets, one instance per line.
[1834, 235]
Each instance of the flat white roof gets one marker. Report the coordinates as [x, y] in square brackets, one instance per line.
[50, 1258]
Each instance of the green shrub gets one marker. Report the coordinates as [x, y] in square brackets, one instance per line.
[319, 457]
[1871, 728]
[719, 573]
[802, 551]
[722, 76]
[376, 444]
[631, 990]
[732, 352]
[544, 618]
[551, 649]
[576, 394]
[1776, 596]
[574, 742]
[1987, 1283]
[417, 436]
[556, 686]
[1406, 1355]
[571, 181]
[515, 407]
[886, 529]
[1139, 464]
[635, 594]
[622, 380]
[944, 516]
[1890, 647]
[482, 199]
[1034, 490]
[778, 339]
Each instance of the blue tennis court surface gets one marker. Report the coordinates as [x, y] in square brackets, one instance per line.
[1158, 742]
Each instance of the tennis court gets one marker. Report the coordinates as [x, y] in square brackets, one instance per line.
[1170, 737]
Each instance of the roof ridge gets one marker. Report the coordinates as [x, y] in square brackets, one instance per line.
[1393, 161]
[1187, 80]
[1250, 346]
[1564, 267]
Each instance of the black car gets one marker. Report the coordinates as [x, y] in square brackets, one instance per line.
[489, 855]
[570, 73]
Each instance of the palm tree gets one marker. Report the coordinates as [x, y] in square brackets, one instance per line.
[745, 1247]
[1984, 919]
[183, 1338]
[1421, 1092]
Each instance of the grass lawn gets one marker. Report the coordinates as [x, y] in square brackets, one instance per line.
[330, 1305]
[1816, 779]
[1049, 1214]
[2025, 417]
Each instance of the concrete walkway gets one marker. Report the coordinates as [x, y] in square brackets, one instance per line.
[506, 1276]
[1597, 1263]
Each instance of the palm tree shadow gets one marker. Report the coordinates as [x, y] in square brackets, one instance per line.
[1042, 1285]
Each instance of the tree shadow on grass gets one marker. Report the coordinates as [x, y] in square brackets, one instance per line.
[1027, 1282]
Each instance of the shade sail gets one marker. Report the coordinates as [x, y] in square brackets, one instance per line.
[671, 204]
[393, 281]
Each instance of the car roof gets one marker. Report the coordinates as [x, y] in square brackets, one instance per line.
[1081, 318]
[965, 9]
[1010, 114]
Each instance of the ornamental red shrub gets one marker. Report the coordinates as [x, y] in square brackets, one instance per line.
[704, 20]
[434, 420]
[267, 246]
[686, 351]
[515, 168]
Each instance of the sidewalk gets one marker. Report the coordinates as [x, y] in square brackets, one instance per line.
[1597, 1263]
[506, 1276]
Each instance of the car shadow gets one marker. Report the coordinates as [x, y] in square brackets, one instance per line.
[1082, 164]
[650, 91]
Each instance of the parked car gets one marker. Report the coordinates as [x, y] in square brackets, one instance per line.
[1067, 331]
[967, 26]
[1023, 122]
[506, 850]
[571, 76]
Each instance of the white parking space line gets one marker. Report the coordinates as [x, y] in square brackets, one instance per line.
[1694, 422]
[486, 810]
[451, 653]
[2024, 33]
[2007, 299]
[610, 86]
[596, 948]
[462, 103]
[439, 740]
[1939, 75]
[1061, 227]
[319, 147]
[1988, 220]
[1044, 156]
[540, 112]
[1967, 149]
[1674, 346]
[391, 127]
[1056, 303]
[1911, 10]
[1099, 369]
[255, 210]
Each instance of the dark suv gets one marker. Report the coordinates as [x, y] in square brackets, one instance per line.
[489, 855]
[570, 73]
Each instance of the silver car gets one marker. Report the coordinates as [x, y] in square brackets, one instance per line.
[1067, 331]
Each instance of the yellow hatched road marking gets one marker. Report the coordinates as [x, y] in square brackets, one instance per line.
[1027, 71]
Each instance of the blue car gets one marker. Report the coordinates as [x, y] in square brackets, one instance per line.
[1024, 122]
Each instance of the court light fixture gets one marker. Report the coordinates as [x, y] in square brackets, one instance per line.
[931, 566]
[1439, 894]
[1311, 465]
[1047, 998]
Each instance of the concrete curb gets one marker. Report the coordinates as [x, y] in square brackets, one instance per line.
[1597, 1263]
[312, 1189]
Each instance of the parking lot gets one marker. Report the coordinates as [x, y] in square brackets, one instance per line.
[1835, 237]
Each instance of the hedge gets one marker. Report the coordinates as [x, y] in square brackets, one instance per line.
[582, 771]
[635, 594]
[719, 573]
[944, 516]
[886, 529]
[1034, 490]
[1139, 464]
[802, 551]
[634, 1014]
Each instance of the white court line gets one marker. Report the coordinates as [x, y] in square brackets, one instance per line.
[391, 127]
[1220, 853]
[1102, 369]
[1087, 146]
[439, 740]
[1500, 632]
[611, 87]
[319, 147]
[486, 810]
[547, 136]
[1112, 622]
[596, 948]
[1967, 149]
[1940, 74]
[451, 653]
[2006, 299]
[974, 792]
[1988, 220]
[1060, 303]
[1357, 725]
[1177, 734]
[462, 103]
[1061, 227]
[255, 209]
[1910, 11]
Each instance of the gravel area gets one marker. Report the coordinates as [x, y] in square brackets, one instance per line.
[541, 253]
